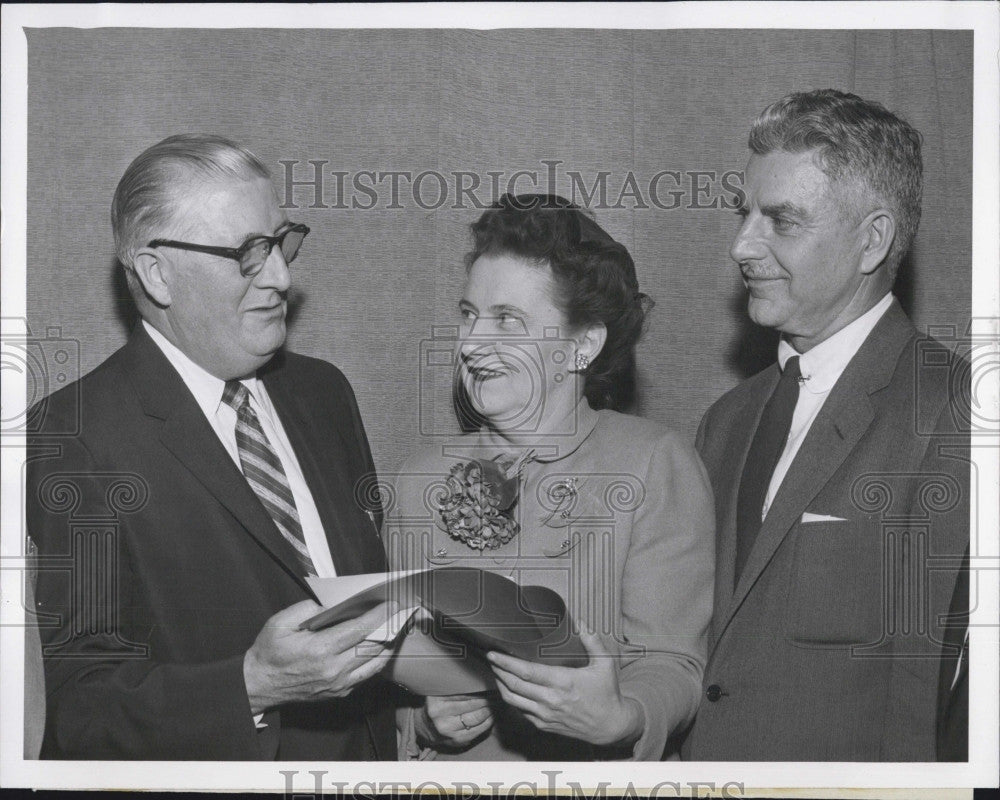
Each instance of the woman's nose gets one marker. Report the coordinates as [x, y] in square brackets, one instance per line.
[470, 347]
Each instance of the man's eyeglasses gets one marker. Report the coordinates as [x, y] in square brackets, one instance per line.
[254, 252]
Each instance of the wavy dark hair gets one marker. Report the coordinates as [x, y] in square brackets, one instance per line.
[594, 278]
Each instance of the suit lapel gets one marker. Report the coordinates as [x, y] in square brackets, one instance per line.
[322, 458]
[748, 413]
[188, 435]
[845, 416]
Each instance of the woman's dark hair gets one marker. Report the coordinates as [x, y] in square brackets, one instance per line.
[594, 277]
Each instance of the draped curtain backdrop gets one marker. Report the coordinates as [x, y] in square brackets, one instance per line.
[374, 286]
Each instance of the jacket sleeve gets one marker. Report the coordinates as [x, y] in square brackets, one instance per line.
[667, 589]
[109, 697]
[941, 496]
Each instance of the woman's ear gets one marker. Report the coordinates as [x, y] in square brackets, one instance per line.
[148, 267]
[592, 340]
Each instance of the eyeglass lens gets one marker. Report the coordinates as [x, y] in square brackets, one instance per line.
[254, 258]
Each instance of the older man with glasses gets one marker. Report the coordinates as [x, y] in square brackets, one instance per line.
[174, 632]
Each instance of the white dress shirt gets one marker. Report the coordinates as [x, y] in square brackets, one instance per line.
[207, 391]
[821, 368]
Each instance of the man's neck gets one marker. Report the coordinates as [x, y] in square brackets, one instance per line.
[849, 336]
[854, 310]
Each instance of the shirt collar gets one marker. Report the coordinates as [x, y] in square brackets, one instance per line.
[206, 388]
[823, 365]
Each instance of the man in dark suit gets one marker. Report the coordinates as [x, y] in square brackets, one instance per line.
[212, 472]
[841, 472]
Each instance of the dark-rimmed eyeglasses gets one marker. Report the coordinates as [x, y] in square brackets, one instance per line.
[254, 252]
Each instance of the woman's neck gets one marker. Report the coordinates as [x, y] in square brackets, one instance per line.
[563, 421]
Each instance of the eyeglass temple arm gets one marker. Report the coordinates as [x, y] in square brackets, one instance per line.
[228, 252]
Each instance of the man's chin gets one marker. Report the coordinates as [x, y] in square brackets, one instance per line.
[262, 350]
[764, 312]
[269, 340]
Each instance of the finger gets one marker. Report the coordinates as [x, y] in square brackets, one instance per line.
[477, 696]
[465, 736]
[525, 670]
[370, 668]
[376, 617]
[517, 701]
[353, 631]
[540, 694]
[441, 712]
[455, 699]
[462, 706]
[539, 723]
[474, 731]
[294, 615]
[598, 653]
[474, 718]
[422, 615]
[457, 725]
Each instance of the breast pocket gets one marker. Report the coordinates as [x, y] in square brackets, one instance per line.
[836, 586]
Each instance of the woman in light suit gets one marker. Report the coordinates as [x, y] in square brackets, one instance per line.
[611, 511]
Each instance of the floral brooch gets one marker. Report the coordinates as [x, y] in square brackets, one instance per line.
[478, 502]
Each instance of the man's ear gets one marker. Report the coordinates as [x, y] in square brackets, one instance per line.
[149, 269]
[878, 232]
[592, 340]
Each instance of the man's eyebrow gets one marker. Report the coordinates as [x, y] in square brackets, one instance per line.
[783, 210]
[257, 234]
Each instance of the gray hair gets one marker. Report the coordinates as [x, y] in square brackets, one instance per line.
[858, 139]
[148, 193]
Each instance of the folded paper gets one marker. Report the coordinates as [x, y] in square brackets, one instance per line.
[469, 613]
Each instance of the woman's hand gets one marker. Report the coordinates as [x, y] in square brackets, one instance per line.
[583, 702]
[456, 720]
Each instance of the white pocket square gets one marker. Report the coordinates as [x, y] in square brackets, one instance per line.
[807, 517]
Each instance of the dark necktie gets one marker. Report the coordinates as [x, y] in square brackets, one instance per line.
[263, 471]
[765, 450]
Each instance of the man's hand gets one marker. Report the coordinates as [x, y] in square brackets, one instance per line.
[286, 665]
[456, 721]
[582, 702]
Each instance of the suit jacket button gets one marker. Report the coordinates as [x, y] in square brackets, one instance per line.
[713, 692]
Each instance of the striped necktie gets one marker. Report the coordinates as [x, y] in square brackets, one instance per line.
[263, 471]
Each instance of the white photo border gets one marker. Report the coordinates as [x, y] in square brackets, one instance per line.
[983, 767]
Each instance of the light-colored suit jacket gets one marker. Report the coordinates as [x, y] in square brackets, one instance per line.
[828, 646]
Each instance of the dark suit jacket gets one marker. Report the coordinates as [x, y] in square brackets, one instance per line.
[158, 565]
[828, 649]
[953, 682]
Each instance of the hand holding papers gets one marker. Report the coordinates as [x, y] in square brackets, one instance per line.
[287, 664]
[471, 612]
